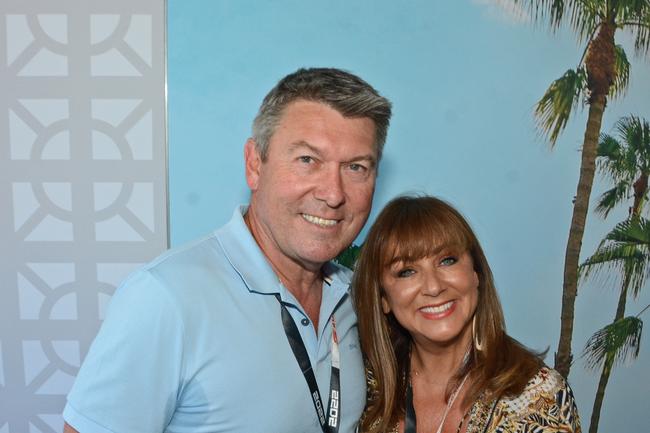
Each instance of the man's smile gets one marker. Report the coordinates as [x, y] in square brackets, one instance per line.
[319, 221]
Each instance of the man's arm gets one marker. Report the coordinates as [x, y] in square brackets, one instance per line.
[119, 387]
[68, 429]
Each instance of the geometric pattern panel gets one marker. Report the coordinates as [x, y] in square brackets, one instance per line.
[82, 185]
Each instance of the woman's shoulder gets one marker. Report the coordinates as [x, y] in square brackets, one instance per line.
[546, 383]
[547, 403]
[546, 392]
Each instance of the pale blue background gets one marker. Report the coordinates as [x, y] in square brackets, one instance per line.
[464, 77]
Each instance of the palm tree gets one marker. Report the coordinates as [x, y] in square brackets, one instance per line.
[602, 72]
[627, 164]
[610, 346]
[626, 249]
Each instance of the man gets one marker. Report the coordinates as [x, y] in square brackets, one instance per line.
[251, 329]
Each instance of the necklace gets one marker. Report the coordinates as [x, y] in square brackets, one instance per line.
[452, 399]
[410, 421]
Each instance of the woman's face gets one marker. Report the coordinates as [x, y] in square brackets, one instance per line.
[433, 298]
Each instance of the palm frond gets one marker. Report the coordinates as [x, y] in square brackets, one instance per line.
[554, 109]
[637, 20]
[628, 128]
[619, 341]
[609, 147]
[625, 252]
[635, 134]
[551, 11]
[627, 9]
[612, 198]
[613, 160]
[621, 71]
[586, 16]
[611, 260]
[633, 231]
[624, 159]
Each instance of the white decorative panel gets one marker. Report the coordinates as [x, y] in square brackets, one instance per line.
[82, 184]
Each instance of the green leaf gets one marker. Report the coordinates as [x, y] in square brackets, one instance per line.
[612, 198]
[554, 109]
[625, 250]
[348, 256]
[619, 342]
[632, 231]
[546, 10]
[621, 71]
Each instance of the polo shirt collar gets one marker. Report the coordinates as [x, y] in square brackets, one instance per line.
[251, 264]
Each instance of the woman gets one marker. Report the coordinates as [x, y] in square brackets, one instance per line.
[432, 330]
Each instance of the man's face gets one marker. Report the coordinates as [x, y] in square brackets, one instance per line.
[312, 195]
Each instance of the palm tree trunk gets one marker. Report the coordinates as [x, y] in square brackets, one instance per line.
[609, 363]
[600, 395]
[563, 356]
[640, 188]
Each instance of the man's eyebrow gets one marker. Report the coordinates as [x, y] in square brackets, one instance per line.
[303, 144]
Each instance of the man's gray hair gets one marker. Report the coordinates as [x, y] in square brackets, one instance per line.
[346, 93]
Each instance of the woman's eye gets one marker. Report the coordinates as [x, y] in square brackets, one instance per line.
[405, 273]
[448, 261]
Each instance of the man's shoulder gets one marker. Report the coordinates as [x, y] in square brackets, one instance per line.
[180, 268]
[195, 251]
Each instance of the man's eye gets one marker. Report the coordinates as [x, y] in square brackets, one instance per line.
[357, 167]
[306, 159]
[448, 261]
[405, 273]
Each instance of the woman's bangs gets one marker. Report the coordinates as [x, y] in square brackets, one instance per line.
[413, 237]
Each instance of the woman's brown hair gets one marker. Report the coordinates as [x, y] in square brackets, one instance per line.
[410, 228]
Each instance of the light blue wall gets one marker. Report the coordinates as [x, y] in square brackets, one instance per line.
[463, 77]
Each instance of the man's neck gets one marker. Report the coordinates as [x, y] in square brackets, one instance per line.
[308, 291]
[305, 283]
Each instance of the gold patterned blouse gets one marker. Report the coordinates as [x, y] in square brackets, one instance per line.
[546, 405]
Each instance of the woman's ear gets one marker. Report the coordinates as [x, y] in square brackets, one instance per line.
[384, 305]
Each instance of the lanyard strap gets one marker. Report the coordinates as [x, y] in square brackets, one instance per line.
[409, 421]
[331, 424]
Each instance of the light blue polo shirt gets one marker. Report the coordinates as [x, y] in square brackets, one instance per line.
[194, 342]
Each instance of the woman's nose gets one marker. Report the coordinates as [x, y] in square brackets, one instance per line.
[432, 284]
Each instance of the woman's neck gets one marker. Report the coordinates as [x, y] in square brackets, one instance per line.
[438, 364]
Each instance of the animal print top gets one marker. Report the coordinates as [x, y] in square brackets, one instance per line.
[547, 405]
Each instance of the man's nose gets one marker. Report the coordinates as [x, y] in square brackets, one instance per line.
[330, 187]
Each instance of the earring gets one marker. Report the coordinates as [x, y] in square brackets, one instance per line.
[477, 344]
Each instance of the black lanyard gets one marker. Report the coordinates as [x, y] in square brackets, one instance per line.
[331, 424]
[409, 421]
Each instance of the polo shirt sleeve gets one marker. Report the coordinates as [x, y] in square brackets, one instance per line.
[132, 375]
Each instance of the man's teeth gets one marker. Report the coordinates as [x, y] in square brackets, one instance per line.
[319, 221]
[437, 310]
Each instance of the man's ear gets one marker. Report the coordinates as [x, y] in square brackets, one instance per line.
[253, 163]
